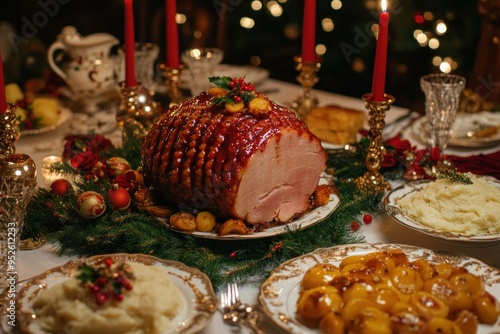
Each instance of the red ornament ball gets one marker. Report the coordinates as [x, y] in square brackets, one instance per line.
[90, 204]
[119, 198]
[118, 165]
[60, 187]
[354, 226]
[367, 218]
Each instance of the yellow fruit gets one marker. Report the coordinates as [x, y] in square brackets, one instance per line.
[48, 101]
[13, 93]
[332, 323]
[259, 105]
[407, 280]
[205, 221]
[363, 317]
[428, 306]
[487, 308]
[20, 114]
[407, 321]
[320, 274]
[317, 302]
[234, 107]
[46, 114]
[216, 91]
[440, 325]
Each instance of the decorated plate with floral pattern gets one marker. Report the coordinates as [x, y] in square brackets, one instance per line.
[199, 299]
[469, 130]
[280, 292]
[64, 116]
[411, 188]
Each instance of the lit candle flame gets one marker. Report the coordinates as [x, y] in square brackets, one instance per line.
[384, 5]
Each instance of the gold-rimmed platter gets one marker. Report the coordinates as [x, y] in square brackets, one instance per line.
[301, 222]
[463, 129]
[458, 239]
[198, 296]
[280, 291]
[64, 116]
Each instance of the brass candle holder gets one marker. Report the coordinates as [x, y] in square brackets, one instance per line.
[307, 78]
[372, 180]
[173, 82]
[9, 129]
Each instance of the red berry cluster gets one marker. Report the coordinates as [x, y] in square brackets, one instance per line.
[238, 85]
[106, 281]
[367, 219]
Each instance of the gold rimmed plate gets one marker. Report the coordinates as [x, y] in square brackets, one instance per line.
[463, 128]
[199, 299]
[304, 221]
[64, 116]
[280, 291]
[409, 189]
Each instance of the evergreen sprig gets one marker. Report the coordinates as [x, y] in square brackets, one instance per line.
[454, 176]
[223, 261]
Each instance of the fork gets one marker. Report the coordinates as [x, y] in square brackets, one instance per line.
[236, 313]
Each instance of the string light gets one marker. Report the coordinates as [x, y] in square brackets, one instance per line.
[180, 18]
[434, 43]
[256, 5]
[247, 22]
[274, 8]
[327, 24]
[336, 4]
[441, 27]
[320, 49]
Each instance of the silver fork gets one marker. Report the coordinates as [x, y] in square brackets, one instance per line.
[236, 313]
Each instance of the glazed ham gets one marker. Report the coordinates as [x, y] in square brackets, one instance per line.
[258, 167]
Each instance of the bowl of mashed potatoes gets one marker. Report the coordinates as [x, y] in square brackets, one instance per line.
[166, 297]
[449, 210]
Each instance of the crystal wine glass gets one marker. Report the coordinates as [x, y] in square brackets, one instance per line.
[442, 97]
[201, 63]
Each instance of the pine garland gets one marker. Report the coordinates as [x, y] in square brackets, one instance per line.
[133, 231]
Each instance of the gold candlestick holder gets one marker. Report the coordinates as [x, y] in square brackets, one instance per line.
[372, 180]
[9, 129]
[173, 82]
[307, 78]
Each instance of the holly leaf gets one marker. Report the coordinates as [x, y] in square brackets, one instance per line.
[87, 274]
[221, 82]
[222, 99]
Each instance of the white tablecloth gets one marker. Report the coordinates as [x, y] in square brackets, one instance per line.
[383, 229]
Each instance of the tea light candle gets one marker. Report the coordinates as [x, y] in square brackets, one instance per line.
[47, 164]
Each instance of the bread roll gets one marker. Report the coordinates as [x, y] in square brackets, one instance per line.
[335, 124]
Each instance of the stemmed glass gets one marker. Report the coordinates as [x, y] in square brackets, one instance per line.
[201, 63]
[442, 97]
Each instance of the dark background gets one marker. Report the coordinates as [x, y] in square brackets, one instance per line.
[273, 41]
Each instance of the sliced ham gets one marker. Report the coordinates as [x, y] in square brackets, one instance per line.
[259, 168]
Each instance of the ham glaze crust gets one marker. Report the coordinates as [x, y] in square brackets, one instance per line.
[260, 168]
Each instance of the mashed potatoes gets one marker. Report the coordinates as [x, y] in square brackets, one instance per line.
[468, 209]
[148, 308]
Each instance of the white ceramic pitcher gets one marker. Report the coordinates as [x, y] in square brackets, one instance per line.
[89, 71]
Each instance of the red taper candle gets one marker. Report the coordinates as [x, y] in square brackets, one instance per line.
[130, 79]
[3, 99]
[309, 31]
[172, 34]
[379, 72]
